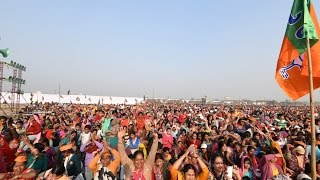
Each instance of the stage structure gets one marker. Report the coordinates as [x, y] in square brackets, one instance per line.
[15, 80]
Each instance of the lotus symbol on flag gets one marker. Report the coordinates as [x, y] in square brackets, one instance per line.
[297, 62]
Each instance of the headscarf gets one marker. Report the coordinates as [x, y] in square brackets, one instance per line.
[275, 145]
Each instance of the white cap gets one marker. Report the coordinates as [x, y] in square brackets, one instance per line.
[203, 146]
[303, 176]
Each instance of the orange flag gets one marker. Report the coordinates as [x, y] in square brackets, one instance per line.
[292, 68]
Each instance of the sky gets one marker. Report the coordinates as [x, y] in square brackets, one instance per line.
[170, 49]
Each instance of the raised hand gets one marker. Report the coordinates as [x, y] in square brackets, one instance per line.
[121, 133]
[106, 145]
[155, 135]
[25, 139]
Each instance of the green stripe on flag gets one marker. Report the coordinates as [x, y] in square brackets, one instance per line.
[301, 25]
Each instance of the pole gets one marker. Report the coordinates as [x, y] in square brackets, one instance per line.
[59, 93]
[313, 134]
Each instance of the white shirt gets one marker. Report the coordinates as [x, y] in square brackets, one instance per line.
[85, 137]
[66, 160]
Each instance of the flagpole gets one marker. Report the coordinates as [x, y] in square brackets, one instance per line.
[59, 93]
[313, 134]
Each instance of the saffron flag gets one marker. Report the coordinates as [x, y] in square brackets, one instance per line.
[292, 68]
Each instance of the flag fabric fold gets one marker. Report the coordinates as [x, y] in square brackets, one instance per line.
[292, 67]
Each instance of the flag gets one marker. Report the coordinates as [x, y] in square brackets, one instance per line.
[78, 99]
[292, 68]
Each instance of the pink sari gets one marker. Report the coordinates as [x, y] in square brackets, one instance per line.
[138, 175]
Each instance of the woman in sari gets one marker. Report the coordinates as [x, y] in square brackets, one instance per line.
[138, 168]
[269, 167]
[160, 170]
[247, 169]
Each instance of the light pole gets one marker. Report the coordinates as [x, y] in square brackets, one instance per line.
[16, 81]
[4, 53]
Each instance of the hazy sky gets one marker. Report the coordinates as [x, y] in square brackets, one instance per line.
[176, 49]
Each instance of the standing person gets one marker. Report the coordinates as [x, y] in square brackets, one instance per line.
[89, 148]
[85, 136]
[50, 152]
[219, 168]
[9, 153]
[99, 132]
[112, 133]
[160, 170]
[33, 132]
[269, 167]
[3, 123]
[297, 162]
[102, 165]
[124, 121]
[106, 120]
[19, 128]
[205, 154]
[134, 141]
[194, 140]
[138, 168]
[71, 162]
[167, 139]
[140, 118]
[246, 169]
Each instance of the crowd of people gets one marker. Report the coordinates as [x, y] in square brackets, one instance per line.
[157, 141]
